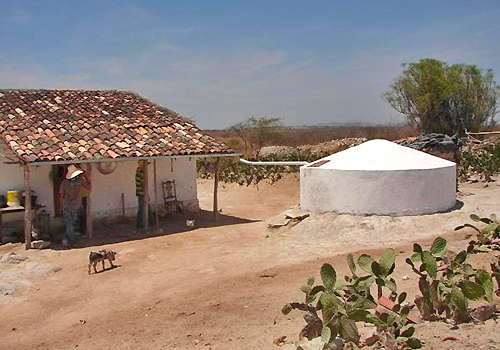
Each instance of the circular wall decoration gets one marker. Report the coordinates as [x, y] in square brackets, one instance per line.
[106, 168]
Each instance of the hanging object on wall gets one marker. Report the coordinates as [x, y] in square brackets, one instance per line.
[106, 168]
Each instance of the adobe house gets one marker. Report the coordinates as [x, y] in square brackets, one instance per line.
[106, 133]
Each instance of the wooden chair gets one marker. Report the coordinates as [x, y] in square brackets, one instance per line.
[172, 204]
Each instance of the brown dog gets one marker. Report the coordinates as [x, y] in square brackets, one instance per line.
[101, 255]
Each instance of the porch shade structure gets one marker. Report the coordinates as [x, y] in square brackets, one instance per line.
[62, 127]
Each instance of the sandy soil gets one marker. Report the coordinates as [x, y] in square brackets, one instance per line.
[217, 286]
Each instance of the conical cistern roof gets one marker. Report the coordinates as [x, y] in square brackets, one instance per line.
[381, 155]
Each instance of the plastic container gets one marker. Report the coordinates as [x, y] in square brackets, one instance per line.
[13, 198]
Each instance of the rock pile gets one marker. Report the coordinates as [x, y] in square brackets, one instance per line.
[328, 147]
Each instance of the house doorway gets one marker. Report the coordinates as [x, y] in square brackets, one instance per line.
[58, 174]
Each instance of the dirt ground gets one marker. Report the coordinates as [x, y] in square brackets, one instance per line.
[218, 286]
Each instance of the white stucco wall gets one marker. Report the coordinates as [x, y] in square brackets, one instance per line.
[379, 177]
[107, 189]
[403, 192]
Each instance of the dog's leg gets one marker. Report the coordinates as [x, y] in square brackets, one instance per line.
[111, 262]
[89, 267]
[95, 263]
[103, 266]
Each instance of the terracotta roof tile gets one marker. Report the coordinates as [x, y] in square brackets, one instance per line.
[52, 125]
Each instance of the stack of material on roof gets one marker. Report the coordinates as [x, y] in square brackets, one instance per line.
[440, 145]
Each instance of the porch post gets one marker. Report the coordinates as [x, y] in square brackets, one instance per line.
[27, 208]
[146, 194]
[216, 184]
[89, 202]
[156, 194]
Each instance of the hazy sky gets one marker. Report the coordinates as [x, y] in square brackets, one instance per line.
[218, 62]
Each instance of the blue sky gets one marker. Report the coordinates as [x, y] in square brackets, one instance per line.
[218, 62]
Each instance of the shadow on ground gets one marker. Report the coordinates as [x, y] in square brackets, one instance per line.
[125, 231]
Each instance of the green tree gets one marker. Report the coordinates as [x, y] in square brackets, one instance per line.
[449, 99]
[258, 131]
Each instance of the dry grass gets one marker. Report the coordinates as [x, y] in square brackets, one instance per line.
[296, 136]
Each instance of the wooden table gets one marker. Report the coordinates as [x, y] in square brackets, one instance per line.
[16, 209]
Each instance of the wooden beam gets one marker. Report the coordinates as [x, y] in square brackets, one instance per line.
[89, 203]
[156, 195]
[27, 208]
[216, 184]
[146, 194]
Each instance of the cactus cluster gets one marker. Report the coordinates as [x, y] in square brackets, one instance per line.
[342, 303]
[447, 282]
[487, 238]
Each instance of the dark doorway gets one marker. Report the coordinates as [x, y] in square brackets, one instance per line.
[58, 174]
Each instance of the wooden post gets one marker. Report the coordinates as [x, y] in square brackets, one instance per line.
[89, 203]
[156, 195]
[216, 184]
[123, 207]
[146, 194]
[27, 208]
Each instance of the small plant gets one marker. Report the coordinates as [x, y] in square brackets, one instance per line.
[392, 329]
[379, 271]
[446, 282]
[340, 308]
[487, 238]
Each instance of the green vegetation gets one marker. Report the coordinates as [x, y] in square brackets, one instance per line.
[379, 271]
[342, 303]
[479, 159]
[487, 238]
[495, 272]
[233, 171]
[484, 161]
[447, 281]
[442, 98]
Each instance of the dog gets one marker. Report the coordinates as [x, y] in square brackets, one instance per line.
[101, 255]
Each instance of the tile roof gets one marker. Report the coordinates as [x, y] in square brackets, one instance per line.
[80, 125]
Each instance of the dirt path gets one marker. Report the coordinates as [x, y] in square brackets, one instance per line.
[213, 287]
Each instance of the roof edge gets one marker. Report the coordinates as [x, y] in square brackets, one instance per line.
[124, 159]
